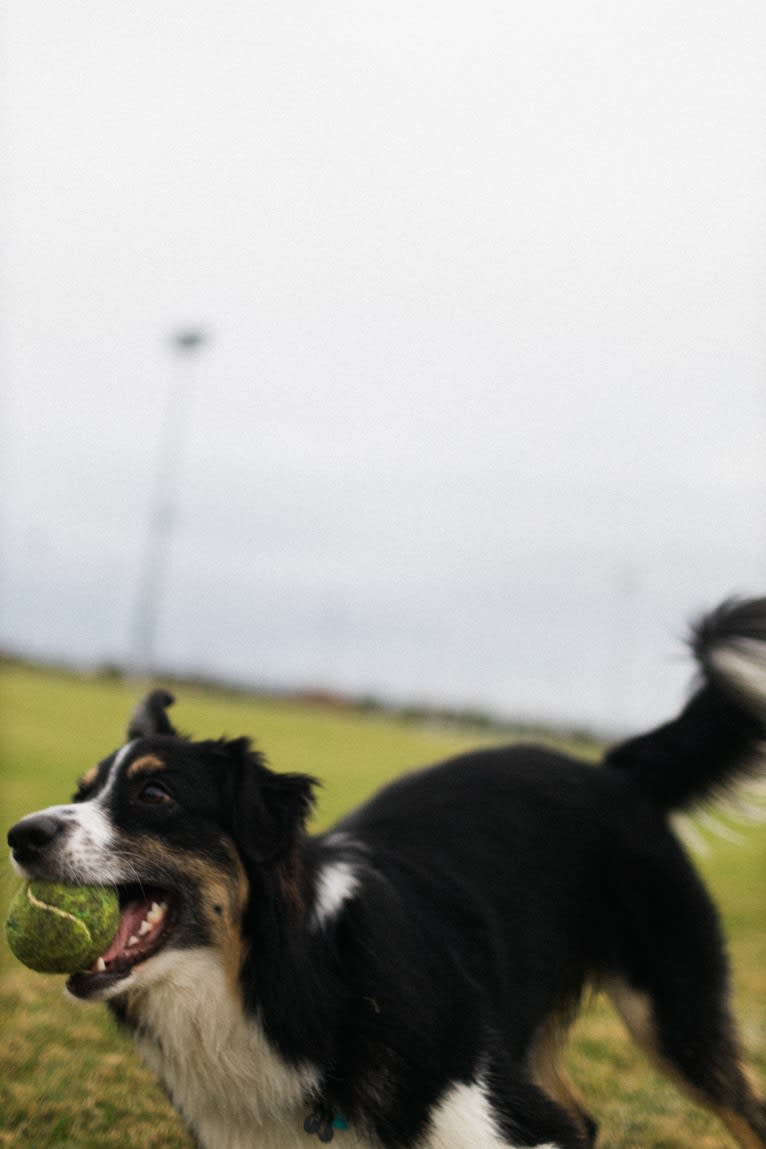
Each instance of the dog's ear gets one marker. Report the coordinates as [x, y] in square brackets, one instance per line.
[267, 811]
[150, 716]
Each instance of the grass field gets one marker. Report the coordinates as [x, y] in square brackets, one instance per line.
[69, 1080]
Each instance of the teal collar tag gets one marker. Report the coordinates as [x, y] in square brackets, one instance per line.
[323, 1122]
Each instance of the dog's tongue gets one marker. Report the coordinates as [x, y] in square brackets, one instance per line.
[140, 921]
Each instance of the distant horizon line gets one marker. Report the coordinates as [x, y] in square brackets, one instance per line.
[321, 695]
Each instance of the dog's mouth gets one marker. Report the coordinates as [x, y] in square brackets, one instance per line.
[147, 915]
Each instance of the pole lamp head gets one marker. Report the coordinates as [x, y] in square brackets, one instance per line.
[188, 339]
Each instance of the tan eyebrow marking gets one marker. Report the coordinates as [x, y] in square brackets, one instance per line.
[145, 765]
[88, 779]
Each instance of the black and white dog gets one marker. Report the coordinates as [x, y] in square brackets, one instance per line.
[406, 980]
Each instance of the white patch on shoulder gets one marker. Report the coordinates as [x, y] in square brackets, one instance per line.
[337, 882]
[463, 1119]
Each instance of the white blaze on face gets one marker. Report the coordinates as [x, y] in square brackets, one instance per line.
[84, 851]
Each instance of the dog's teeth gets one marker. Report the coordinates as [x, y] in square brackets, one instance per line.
[145, 928]
[101, 965]
[133, 941]
[156, 913]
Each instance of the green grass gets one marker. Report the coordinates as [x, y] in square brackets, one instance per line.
[70, 1080]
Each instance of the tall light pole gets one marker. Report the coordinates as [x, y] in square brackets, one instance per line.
[186, 344]
[621, 683]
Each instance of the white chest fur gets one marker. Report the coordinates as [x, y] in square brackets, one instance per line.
[226, 1080]
[230, 1085]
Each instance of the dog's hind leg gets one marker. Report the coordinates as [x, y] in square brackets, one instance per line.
[694, 1043]
[545, 1066]
[667, 972]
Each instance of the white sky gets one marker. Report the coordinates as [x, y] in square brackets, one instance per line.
[483, 417]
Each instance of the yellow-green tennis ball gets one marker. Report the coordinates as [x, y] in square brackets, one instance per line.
[61, 929]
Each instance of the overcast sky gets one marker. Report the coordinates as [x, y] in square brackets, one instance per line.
[482, 417]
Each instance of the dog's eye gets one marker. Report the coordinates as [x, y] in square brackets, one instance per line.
[154, 793]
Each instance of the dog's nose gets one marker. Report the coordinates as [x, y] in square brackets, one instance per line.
[32, 835]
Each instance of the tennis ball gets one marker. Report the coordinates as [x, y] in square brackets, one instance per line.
[61, 929]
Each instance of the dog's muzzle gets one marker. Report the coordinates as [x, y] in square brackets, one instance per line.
[30, 838]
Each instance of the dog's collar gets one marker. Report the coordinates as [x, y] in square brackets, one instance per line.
[323, 1121]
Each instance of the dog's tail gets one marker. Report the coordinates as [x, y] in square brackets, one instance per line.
[718, 738]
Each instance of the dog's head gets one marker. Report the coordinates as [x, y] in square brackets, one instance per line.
[189, 833]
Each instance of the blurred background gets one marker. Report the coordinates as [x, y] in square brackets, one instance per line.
[405, 350]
